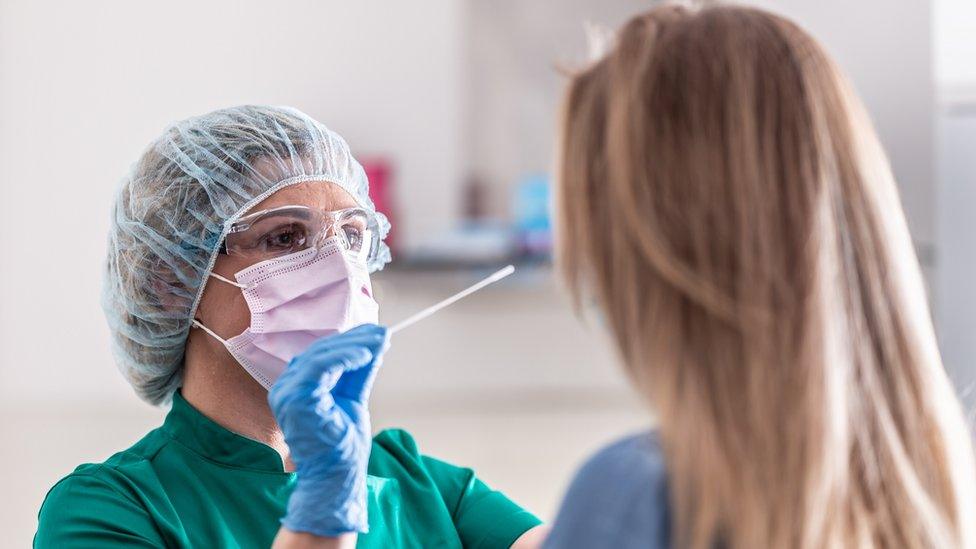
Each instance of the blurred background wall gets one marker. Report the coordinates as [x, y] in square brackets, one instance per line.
[954, 22]
[457, 100]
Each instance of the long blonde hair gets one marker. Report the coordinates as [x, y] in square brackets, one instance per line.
[724, 199]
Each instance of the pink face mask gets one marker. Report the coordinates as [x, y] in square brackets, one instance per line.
[295, 300]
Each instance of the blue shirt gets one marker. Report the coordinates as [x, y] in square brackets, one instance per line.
[618, 499]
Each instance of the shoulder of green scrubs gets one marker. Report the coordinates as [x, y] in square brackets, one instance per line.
[192, 483]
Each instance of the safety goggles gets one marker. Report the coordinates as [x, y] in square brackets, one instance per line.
[275, 232]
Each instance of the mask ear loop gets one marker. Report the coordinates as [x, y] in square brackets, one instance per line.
[229, 281]
[200, 325]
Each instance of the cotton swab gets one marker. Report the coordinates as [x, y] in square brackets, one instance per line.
[417, 317]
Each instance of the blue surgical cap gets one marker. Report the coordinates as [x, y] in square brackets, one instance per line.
[173, 208]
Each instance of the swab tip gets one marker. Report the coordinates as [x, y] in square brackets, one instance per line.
[502, 273]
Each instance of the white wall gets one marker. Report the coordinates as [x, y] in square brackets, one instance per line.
[954, 22]
[955, 47]
[955, 44]
[84, 86]
[956, 295]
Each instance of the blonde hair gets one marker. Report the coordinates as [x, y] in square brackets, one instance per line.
[724, 199]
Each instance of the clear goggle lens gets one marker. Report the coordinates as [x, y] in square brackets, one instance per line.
[289, 229]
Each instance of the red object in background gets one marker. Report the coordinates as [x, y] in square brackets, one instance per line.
[379, 171]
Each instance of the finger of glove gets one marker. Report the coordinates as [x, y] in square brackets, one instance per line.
[298, 364]
[377, 338]
[316, 430]
[370, 336]
[317, 372]
[358, 384]
[339, 339]
[365, 332]
[329, 364]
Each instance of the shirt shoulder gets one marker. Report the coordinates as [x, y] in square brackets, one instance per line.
[93, 506]
[89, 504]
[144, 450]
[482, 517]
[618, 498]
[397, 441]
[394, 452]
[113, 471]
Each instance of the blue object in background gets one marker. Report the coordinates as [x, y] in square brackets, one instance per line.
[532, 215]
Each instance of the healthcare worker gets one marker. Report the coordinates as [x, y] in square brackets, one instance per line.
[724, 201]
[241, 245]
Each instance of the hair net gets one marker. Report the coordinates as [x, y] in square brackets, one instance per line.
[170, 216]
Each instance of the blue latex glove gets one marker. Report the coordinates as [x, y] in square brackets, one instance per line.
[320, 402]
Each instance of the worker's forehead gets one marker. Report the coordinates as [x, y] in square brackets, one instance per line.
[318, 194]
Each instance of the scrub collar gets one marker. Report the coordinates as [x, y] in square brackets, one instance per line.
[201, 435]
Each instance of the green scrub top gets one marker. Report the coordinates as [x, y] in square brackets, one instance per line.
[192, 483]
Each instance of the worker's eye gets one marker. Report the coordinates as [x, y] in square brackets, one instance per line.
[354, 236]
[353, 227]
[292, 236]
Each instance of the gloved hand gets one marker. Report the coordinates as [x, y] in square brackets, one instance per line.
[320, 402]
